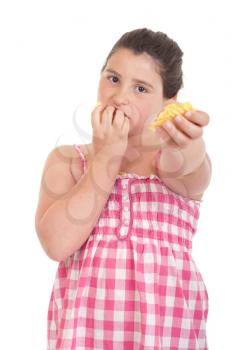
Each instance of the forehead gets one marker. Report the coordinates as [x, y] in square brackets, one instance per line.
[129, 64]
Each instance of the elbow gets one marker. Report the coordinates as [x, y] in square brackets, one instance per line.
[49, 249]
[48, 245]
[52, 253]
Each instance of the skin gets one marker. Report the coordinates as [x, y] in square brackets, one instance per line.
[141, 103]
[138, 101]
[183, 166]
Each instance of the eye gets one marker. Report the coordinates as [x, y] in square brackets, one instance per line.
[140, 86]
[112, 76]
[115, 78]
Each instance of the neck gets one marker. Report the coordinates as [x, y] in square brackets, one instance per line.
[141, 149]
[143, 144]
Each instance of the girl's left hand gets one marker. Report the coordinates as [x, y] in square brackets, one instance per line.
[182, 130]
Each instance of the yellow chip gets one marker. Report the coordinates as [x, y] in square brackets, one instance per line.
[98, 104]
[171, 111]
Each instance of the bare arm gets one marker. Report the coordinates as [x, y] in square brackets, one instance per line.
[63, 224]
[181, 161]
[68, 222]
[184, 165]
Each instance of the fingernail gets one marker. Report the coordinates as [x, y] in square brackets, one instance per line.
[188, 114]
[178, 118]
[168, 125]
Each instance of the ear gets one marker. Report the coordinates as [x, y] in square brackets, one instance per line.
[167, 101]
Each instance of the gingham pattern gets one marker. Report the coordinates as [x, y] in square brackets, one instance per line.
[133, 284]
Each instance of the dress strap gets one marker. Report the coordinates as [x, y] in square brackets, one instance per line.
[84, 161]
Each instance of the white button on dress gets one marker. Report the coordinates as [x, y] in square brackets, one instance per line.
[123, 231]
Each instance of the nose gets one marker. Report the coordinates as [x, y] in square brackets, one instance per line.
[120, 98]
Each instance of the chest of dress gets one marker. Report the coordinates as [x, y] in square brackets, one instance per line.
[144, 206]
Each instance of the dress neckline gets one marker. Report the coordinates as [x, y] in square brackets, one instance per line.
[125, 175]
[133, 175]
[120, 175]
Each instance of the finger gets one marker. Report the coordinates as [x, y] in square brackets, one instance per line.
[126, 127]
[96, 116]
[107, 116]
[189, 128]
[164, 139]
[177, 136]
[198, 117]
[119, 118]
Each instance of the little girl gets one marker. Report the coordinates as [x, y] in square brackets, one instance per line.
[119, 214]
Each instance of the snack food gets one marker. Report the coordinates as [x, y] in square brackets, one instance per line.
[98, 103]
[170, 112]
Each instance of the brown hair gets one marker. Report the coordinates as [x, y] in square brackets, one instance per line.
[165, 51]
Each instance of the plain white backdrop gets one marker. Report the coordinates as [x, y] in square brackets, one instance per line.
[51, 55]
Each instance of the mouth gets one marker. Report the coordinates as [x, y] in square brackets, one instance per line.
[123, 113]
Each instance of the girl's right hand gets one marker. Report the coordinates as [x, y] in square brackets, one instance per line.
[110, 132]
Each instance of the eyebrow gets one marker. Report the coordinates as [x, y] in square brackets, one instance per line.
[135, 80]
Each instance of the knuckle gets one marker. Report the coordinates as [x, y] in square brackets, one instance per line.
[110, 109]
[119, 116]
[107, 112]
[117, 121]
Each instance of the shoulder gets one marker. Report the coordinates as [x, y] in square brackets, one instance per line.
[59, 162]
[69, 153]
[57, 178]
[77, 152]
[66, 157]
[64, 153]
[61, 171]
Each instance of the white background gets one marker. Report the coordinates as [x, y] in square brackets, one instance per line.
[51, 55]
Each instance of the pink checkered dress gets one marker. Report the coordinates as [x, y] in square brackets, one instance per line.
[133, 285]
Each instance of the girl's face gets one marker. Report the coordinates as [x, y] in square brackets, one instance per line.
[132, 84]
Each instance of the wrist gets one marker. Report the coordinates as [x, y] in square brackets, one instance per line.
[180, 161]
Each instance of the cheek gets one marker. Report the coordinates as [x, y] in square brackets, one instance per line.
[153, 108]
[103, 91]
[147, 110]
